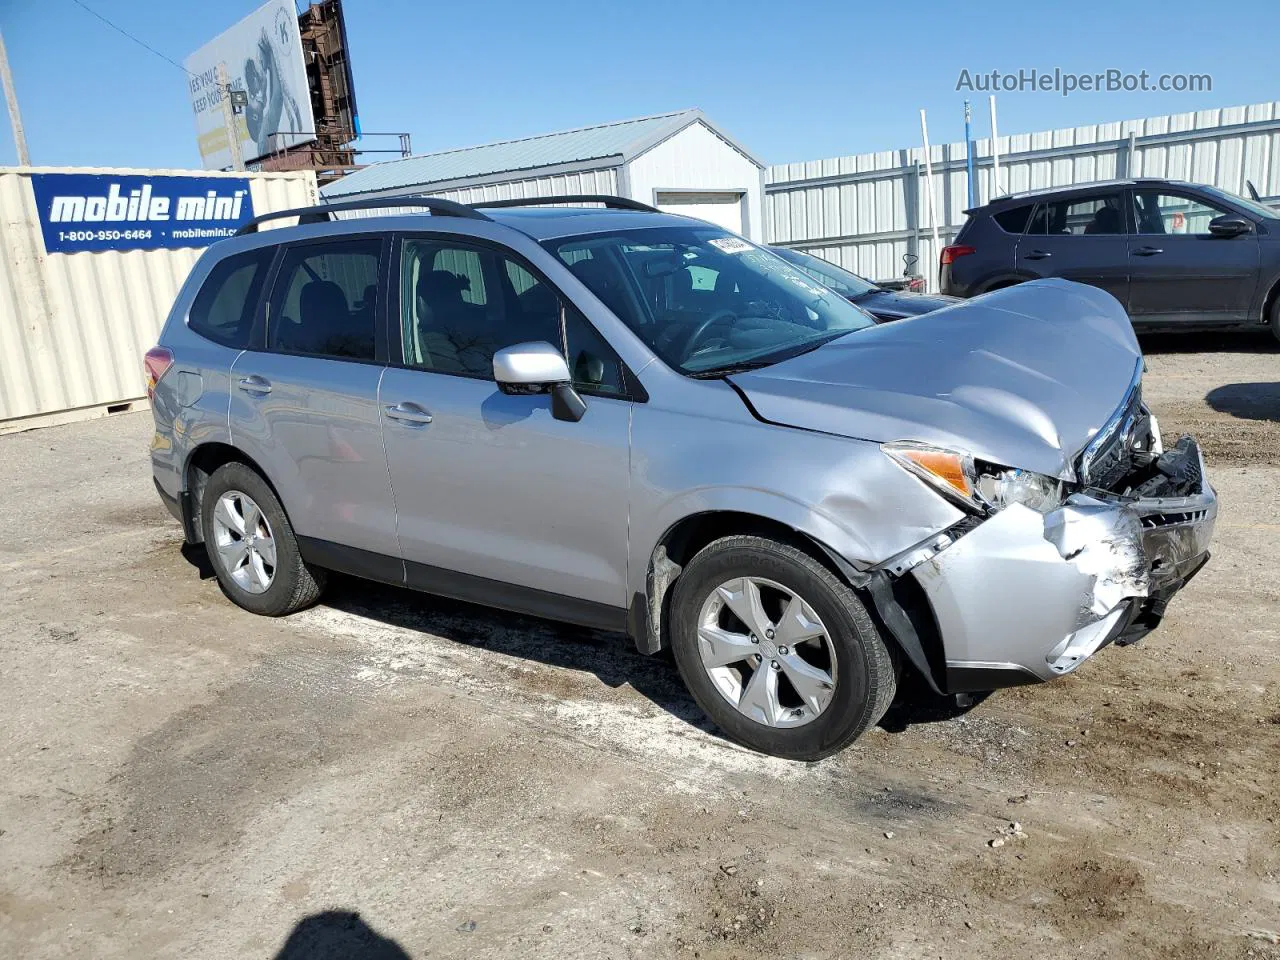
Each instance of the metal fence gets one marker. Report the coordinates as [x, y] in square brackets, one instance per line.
[866, 212]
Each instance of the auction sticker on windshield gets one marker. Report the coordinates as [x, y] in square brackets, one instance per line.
[731, 245]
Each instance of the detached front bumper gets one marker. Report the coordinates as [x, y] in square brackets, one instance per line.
[1025, 596]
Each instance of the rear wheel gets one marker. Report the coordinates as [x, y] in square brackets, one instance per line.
[778, 650]
[1275, 317]
[252, 547]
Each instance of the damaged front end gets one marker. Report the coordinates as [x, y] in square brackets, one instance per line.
[1029, 591]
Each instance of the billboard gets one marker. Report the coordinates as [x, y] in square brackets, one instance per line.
[262, 56]
[94, 212]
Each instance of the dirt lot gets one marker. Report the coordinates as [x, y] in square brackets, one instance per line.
[181, 779]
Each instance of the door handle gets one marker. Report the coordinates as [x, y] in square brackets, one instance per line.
[256, 385]
[407, 412]
[1147, 251]
[1037, 255]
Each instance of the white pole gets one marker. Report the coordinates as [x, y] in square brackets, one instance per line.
[933, 209]
[995, 153]
[229, 119]
[15, 118]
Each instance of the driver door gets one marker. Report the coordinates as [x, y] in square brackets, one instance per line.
[495, 498]
[1182, 273]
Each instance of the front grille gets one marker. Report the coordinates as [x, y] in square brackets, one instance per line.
[1153, 520]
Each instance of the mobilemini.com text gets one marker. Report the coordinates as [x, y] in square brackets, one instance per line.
[1066, 83]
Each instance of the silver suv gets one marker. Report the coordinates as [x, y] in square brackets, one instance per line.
[634, 421]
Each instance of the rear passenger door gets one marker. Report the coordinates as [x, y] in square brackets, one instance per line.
[497, 500]
[304, 398]
[1081, 238]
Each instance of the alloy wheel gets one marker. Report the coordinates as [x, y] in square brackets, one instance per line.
[767, 652]
[244, 542]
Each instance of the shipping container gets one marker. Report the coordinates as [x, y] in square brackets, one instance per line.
[74, 326]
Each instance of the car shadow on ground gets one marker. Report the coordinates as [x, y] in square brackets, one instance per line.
[610, 657]
[338, 935]
[1154, 344]
[1247, 401]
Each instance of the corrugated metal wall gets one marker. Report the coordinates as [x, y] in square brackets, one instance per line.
[74, 327]
[590, 181]
[864, 212]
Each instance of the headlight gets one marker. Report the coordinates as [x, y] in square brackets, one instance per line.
[974, 484]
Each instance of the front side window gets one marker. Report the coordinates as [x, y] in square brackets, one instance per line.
[460, 305]
[325, 300]
[1169, 213]
[705, 301]
[1091, 216]
[223, 309]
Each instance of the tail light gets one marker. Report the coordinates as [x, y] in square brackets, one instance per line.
[156, 362]
[955, 251]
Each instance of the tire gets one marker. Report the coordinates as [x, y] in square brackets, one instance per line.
[290, 584]
[864, 676]
[1275, 319]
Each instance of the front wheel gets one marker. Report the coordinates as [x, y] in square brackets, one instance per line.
[778, 650]
[251, 544]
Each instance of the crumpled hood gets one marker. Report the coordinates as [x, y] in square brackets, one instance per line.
[1022, 377]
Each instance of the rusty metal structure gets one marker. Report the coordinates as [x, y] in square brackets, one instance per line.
[332, 153]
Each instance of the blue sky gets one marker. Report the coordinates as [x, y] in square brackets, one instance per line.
[791, 81]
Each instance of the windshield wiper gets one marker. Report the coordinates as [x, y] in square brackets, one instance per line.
[713, 373]
[769, 360]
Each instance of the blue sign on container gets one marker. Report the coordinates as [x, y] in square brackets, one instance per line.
[87, 212]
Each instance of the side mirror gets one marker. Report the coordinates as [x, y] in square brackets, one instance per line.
[539, 368]
[1229, 225]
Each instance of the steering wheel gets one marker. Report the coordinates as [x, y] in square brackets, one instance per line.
[692, 340]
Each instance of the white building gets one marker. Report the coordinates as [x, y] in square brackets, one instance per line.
[679, 162]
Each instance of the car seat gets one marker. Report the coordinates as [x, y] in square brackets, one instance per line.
[1106, 220]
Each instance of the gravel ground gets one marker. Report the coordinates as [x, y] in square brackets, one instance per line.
[391, 775]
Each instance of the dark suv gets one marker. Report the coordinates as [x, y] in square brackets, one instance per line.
[1176, 255]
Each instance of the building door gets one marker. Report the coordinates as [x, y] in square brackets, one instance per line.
[723, 208]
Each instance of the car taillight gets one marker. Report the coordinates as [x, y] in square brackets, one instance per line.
[949, 254]
[156, 362]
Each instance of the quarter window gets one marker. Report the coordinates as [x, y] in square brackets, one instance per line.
[1168, 213]
[223, 309]
[1013, 221]
[325, 300]
[1090, 216]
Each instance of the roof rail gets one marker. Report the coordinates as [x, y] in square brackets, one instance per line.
[321, 212]
[613, 203]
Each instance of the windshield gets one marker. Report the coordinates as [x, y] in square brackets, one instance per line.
[705, 301]
[837, 278]
[1250, 205]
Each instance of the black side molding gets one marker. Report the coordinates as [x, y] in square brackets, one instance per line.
[461, 586]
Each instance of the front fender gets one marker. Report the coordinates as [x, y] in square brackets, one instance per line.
[845, 494]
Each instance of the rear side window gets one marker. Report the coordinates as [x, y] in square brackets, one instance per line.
[223, 309]
[325, 300]
[1088, 216]
[1014, 220]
